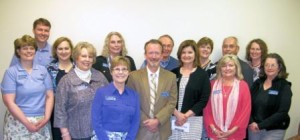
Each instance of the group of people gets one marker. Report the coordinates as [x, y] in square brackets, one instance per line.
[66, 92]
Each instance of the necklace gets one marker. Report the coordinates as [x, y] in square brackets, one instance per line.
[226, 92]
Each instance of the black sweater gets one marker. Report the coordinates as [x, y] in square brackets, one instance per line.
[197, 91]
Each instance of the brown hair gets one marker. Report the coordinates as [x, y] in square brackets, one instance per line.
[120, 60]
[42, 21]
[262, 45]
[282, 68]
[57, 42]
[25, 40]
[153, 41]
[185, 44]
[206, 41]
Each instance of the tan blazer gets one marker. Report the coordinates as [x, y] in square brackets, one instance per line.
[166, 99]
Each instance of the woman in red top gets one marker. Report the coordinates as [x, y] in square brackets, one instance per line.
[227, 113]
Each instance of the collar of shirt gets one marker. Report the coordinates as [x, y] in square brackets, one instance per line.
[46, 48]
[114, 91]
[150, 73]
[20, 67]
[77, 81]
[165, 63]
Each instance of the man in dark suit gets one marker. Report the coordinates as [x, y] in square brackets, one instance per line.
[230, 46]
[155, 111]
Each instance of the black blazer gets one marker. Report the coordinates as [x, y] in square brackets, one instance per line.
[102, 66]
[197, 91]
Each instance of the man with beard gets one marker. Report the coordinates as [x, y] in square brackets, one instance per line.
[41, 31]
[168, 62]
[158, 94]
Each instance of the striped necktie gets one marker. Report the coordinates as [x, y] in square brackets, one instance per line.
[153, 87]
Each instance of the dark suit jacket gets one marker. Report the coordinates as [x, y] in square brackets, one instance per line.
[165, 99]
[247, 72]
[102, 66]
[197, 91]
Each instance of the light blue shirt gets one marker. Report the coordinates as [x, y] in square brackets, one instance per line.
[42, 56]
[30, 89]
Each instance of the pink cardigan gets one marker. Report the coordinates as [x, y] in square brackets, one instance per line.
[242, 114]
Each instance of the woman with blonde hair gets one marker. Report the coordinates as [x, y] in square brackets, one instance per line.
[227, 113]
[114, 45]
[75, 93]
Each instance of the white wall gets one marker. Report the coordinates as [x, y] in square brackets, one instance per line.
[277, 22]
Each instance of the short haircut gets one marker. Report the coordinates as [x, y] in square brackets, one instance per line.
[25, 40]
[120, 60]
[185, 44]
[225, 59]
[206, 41]
[234, 38]
[42, 21]
[167, 36]
[153, 41]
[57, 42]
[79, 46]
[282, 68]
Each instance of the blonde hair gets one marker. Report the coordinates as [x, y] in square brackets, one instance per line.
[225, 59]
[90, 48]
[105, 51]
[120, 60]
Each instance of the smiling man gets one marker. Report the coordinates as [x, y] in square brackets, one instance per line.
[158, 94]
[41, 31]
[168, 62]
[230, 46]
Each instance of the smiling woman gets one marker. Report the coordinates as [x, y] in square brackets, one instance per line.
[114, 45]
[27, 94]
[116, 108]
[75, 92]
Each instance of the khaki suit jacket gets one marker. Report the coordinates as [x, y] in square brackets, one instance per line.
[166, 99]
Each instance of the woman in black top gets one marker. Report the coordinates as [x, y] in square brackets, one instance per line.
[271, 101]
[193, 92]
[114, 45]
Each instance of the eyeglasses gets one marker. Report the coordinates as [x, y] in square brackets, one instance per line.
[120, 70]
[271, 66]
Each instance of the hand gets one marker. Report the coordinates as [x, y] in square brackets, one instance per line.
[67, 137]
[180, 119]
[217, 132]
[225, 135]
[151, 125]
[254, 127]
[31, 127]
[41, 123]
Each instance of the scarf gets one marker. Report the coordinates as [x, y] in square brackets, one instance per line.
[217, 104]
